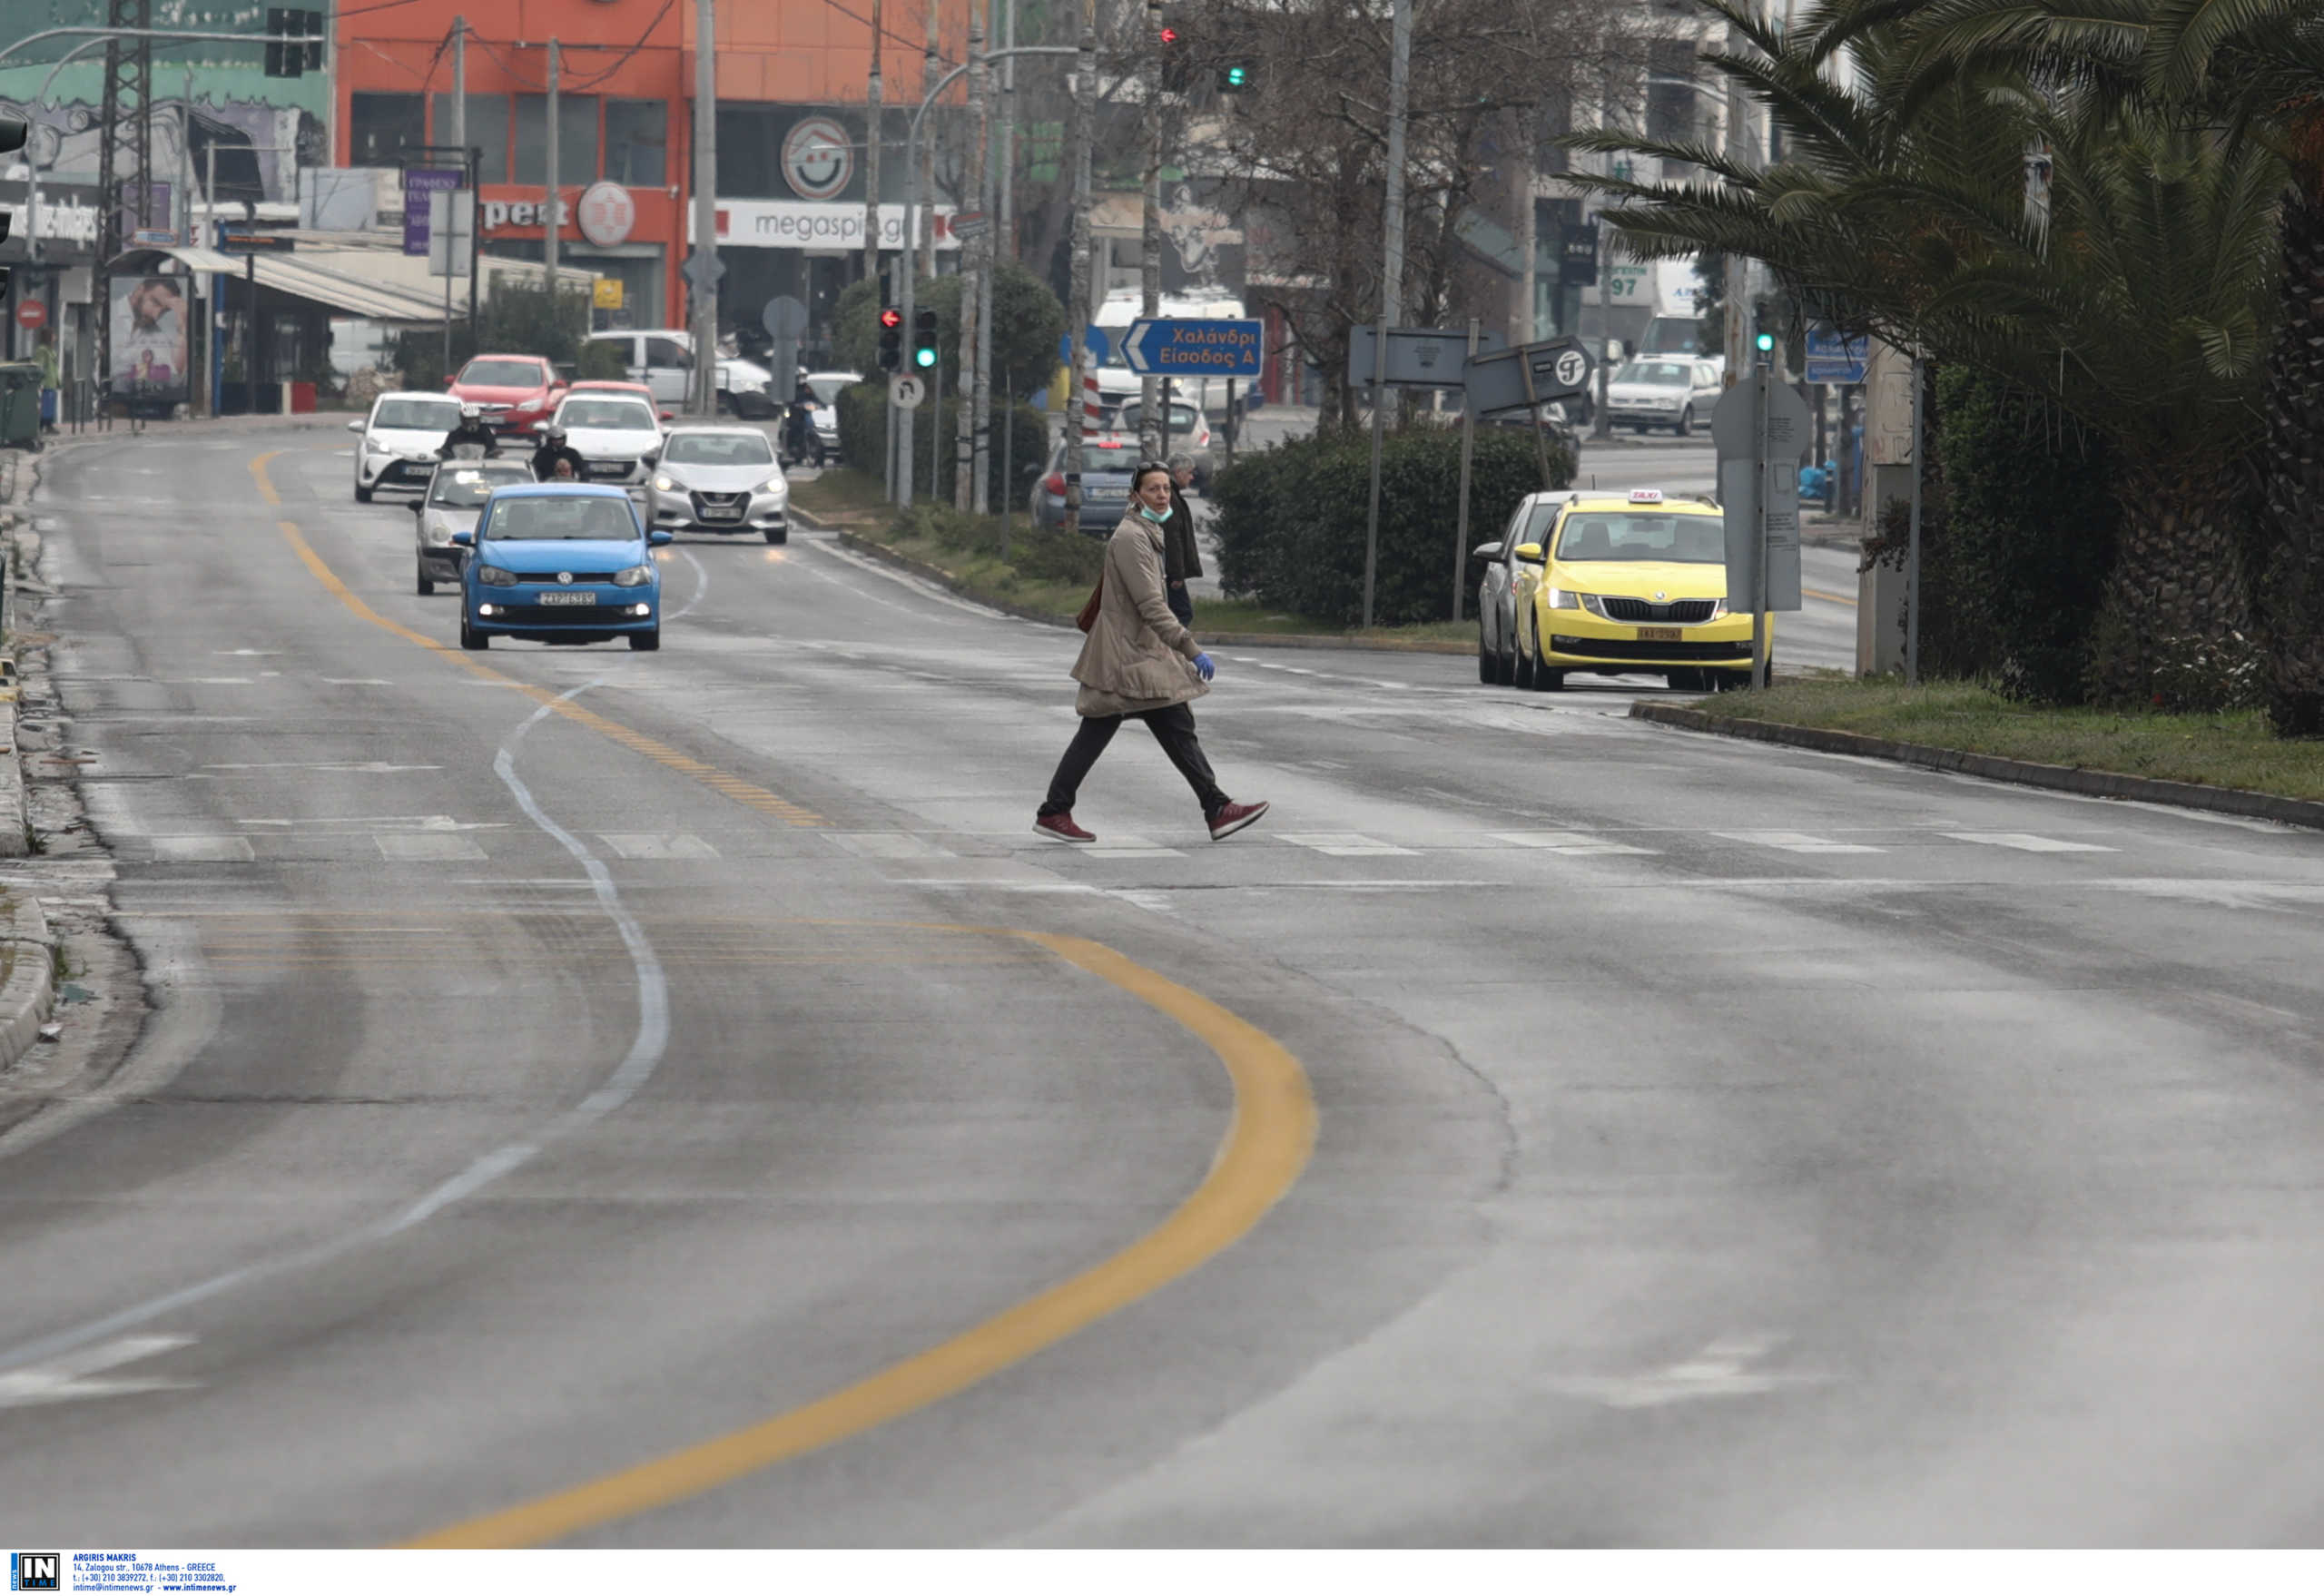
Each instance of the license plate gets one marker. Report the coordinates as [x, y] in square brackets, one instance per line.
[722, 512]
[1659, 635]
[611, 468]
[547, 598]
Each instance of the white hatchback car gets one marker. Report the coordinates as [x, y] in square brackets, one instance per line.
[1675, 392]
[453, 498]
[401, 437]
[715, 478]
[617, 436]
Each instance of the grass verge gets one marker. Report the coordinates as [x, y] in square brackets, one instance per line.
[2232, 749]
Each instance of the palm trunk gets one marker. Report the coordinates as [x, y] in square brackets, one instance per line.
[2174, 629]
[2291, 480]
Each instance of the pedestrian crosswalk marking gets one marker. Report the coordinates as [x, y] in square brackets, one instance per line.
[408, 846]
[1125, 845]
[2025, 841]
[203, 850]
[1343, 844]
[1570, 843]
[657, 845]
[889, 845]
[1797, 843]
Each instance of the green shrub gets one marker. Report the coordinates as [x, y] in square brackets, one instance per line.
[517, 319]
[1291, 520]
[863, 442]
[1033, 553]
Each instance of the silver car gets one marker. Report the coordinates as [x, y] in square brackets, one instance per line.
[1529, 523]
[401, 437]
[720, 478]
[616, 435]
[455, 497]
[1107, 462]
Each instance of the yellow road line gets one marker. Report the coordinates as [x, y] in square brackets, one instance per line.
[741, 792]
[1265, 1146]
[1834, 598]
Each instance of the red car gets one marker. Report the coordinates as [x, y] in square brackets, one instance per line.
[606, 385]
[516, 390]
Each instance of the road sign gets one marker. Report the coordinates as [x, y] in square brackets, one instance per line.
[906, 390]
[1761, 429]
[784, 317]
[1418, 357]
[1534, 373]
[969, 224]
[1093, 339]
[703, 271]
[151, 237]
[606, 293]
[1578, 254]
[1174, 346]
[31, 314]
[1832, 359]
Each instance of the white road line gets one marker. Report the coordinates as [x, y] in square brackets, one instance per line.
[657, 845]
[1722, 1369]
[2025, 841]
[1343, 845]
[1127, 845]
[888, 845]
[701, 585]
[71, 1378]
[407, 847]
[1797, 843]
[1566, 842]
[645, 1051]
[202, 850]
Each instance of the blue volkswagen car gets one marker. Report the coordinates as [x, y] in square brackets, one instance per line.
[560, 563]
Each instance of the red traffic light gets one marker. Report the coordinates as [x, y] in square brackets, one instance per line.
[890, 317]
[1169, 36]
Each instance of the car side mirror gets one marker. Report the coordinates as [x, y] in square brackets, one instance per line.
[418, 507]
[668, 416]
[537, 426]
[355, 426]
[658, 538]
[1531, 553]
[1485, 551]
[463, 540]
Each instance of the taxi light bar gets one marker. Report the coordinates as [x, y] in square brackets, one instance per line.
[1646, 495]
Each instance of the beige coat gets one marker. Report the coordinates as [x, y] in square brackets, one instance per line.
[1136, 656]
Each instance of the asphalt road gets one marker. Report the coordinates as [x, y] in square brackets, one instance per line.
[617, 1070]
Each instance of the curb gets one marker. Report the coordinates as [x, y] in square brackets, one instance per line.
[944, 579]
[28, 989]
[2063, 778]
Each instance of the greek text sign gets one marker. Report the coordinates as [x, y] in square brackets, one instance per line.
[1197, 348]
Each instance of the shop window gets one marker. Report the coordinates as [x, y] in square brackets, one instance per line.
[381, 127]
[637, 137]
[750, 144]
[487, 130]
[576, 134]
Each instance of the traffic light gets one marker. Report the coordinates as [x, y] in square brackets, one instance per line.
[286, 60]
[1764, 342]
[924, 341]
[1178, 66]
[1234, 79]
[891, 338]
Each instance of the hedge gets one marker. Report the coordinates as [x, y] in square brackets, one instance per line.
[1291, 520]
[864, 441]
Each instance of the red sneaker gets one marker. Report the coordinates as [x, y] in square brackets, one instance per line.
[1232, 819]
[1060, 828]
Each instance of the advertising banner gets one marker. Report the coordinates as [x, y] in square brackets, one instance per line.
[149, 339]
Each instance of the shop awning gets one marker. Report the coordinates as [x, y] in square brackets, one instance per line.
[343, 291]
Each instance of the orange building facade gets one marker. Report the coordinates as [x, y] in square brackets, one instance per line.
[792, 77]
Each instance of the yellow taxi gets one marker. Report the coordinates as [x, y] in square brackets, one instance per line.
[1630, 583]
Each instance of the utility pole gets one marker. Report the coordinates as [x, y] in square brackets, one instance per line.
[467, 157]
[967, 409]
[1076, 313]
[1150, 414]
[705, 208]
[548, 216]
[1005, 145]
[871, 156]
[1391, 273]
[928, 163]
[1736, 284]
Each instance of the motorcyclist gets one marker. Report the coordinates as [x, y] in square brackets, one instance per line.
[799, 428]
[471, 433]
[554, 449]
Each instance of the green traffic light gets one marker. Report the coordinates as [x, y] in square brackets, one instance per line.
[1766, 340]
[923, 357]
[1237, 76]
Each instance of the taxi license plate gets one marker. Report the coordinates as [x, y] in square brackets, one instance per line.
[1659, 635]
[547, 598]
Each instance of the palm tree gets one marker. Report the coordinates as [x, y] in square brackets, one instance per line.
[2135, 301]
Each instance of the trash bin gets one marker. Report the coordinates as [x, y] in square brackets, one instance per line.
[20, 384]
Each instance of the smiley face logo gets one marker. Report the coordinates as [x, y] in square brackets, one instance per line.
[818, 158]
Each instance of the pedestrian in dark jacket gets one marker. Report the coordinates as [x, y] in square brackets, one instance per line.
[1140, 664]
[1181, 555]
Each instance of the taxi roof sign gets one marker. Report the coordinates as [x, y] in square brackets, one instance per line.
[1646, 495]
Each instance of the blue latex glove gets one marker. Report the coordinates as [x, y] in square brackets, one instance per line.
[1204, 668]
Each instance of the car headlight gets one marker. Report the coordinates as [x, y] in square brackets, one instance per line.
[495, 576]
[1594, 604]
[1719, 609]
[664, 485]
[1560, 598]
[775, 485]
[636, 576]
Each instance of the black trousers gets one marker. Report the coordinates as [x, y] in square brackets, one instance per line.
[1173, 728]
[1181, 602]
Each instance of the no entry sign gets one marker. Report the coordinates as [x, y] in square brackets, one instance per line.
[31, 314]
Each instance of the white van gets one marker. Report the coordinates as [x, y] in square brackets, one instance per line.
[1118, 385]
[661, 357]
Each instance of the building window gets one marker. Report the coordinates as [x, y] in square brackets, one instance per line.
[750, 141]
[381, 127]
[637, 138]
[1670, 90]
[487, 130]
[577, 134]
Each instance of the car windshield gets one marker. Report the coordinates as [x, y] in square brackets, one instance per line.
[420, 415]
[560, 518]
[1610, 534]
[826, 388]
[718, 448]
[1182, 417]
[463, 488]
[502, 374]
[1658, 373]
[613, 414]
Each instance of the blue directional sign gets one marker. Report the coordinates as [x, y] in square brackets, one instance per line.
[1170, 346]
[1093, 337]
[1833, 359]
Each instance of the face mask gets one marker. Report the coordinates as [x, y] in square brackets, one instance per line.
[1154, 516]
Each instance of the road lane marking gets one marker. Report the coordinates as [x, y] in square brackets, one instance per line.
[408, 847]
[748, 793]
[1565, 841]
[657, 845]
[1343, 845]
[1722, 1369]
[202, 850]
[2026, 843]
[1268, 1139]
[1797, 843]
[889, 845]
[1829, 597]
[72, 1377]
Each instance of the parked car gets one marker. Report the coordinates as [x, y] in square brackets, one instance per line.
[721, 479]
[456, 495]
[401, 437]
[826, 386]
[1528, 524]
[1107, 462]
[618, 436]
[515, 390]
[746, 389]
[555, 562]
[1190, 434]
[1670, 391]
[661, 357]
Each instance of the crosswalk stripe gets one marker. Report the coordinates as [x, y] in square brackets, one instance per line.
[203, 850]
[1797, 843]
[1343, 844]
[2025, 841]
[1575, 842]
[889, 845]
[408, 846]
[657, 845]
